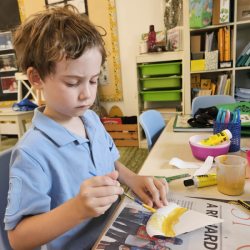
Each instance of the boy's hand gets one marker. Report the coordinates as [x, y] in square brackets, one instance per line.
[97, 194]
[141, 184]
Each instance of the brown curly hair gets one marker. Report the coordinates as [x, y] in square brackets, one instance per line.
[50, 35]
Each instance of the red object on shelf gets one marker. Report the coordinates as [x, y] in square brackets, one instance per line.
[111, 121]
[151, 38]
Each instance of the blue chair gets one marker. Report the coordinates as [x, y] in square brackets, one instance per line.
[4, 187]
[210, 100]
[152, 124]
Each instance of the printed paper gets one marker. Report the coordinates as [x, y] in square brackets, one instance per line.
[173, 220]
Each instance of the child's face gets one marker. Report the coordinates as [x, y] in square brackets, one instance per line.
[71, 89]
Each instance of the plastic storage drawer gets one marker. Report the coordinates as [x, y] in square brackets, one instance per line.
[163, 95]
[161, 69]
[161, 82]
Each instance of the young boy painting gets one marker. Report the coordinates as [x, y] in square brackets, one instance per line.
[53, 199]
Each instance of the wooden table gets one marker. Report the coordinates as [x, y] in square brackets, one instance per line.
[176, 144]
[19, 118]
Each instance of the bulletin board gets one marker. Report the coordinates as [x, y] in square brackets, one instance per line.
[102, 13]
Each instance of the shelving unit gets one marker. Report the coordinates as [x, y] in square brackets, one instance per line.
[157, 58]
[239, 77]
[182, 56]
[241, 38]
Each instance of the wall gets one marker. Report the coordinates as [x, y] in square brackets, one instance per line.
[133, 19]
[33, 6]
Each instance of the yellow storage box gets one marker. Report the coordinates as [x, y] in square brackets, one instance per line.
[197, 65]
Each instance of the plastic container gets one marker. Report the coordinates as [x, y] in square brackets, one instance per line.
[161, 82]
[161, 69]
[231, 174]
[201, 152]
[164, 95]
[151, 38]
[234, 128]
[197, 55]
[248, 157]
[143, 47]
[198, 65]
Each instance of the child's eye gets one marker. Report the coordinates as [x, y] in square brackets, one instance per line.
[72, 85]
[92, 82]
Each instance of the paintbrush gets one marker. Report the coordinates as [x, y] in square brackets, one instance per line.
[136, 200]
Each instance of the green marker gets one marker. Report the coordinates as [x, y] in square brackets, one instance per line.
[168, 179]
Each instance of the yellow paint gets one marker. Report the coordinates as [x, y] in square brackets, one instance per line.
[233, 182]
[165, 224]
[229, 187]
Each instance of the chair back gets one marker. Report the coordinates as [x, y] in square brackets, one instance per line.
[152, 124]
[210, 100]
[4, 187]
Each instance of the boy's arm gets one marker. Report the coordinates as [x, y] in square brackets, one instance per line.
[96, 195]
[140, 184]
[38, 230]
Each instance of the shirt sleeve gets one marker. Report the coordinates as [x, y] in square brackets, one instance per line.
[28, 189]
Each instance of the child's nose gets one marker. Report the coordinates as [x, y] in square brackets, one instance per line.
[85, 93]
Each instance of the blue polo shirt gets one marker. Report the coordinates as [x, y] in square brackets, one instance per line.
[48, 166]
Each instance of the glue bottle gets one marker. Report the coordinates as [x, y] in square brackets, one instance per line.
[201, 180]
[217, 138]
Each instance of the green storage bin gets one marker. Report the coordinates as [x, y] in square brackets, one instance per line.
[161, 69]
[163, 95]
[161, 82]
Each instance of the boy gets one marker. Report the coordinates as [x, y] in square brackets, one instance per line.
[53, 199]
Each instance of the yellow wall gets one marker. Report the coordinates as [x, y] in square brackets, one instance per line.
[33, 6]
[99, 15]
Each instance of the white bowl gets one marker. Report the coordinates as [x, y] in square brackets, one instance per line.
[198, 138]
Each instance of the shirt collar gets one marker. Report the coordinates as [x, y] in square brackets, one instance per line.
[60, 135]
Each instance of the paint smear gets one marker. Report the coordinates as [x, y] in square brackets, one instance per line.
[165, 224]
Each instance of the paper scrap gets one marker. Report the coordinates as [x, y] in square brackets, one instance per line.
[183, 164]
[79, 4]
[206, 166]
[54, 1]
[173, 220]
[56, 5]
[245, 149]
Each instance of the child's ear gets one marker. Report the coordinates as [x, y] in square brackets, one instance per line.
[34, 78]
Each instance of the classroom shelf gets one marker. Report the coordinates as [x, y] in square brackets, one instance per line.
[242, 68]
[156, 57]
[209, 71]
[243, 25]
[211, 27]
